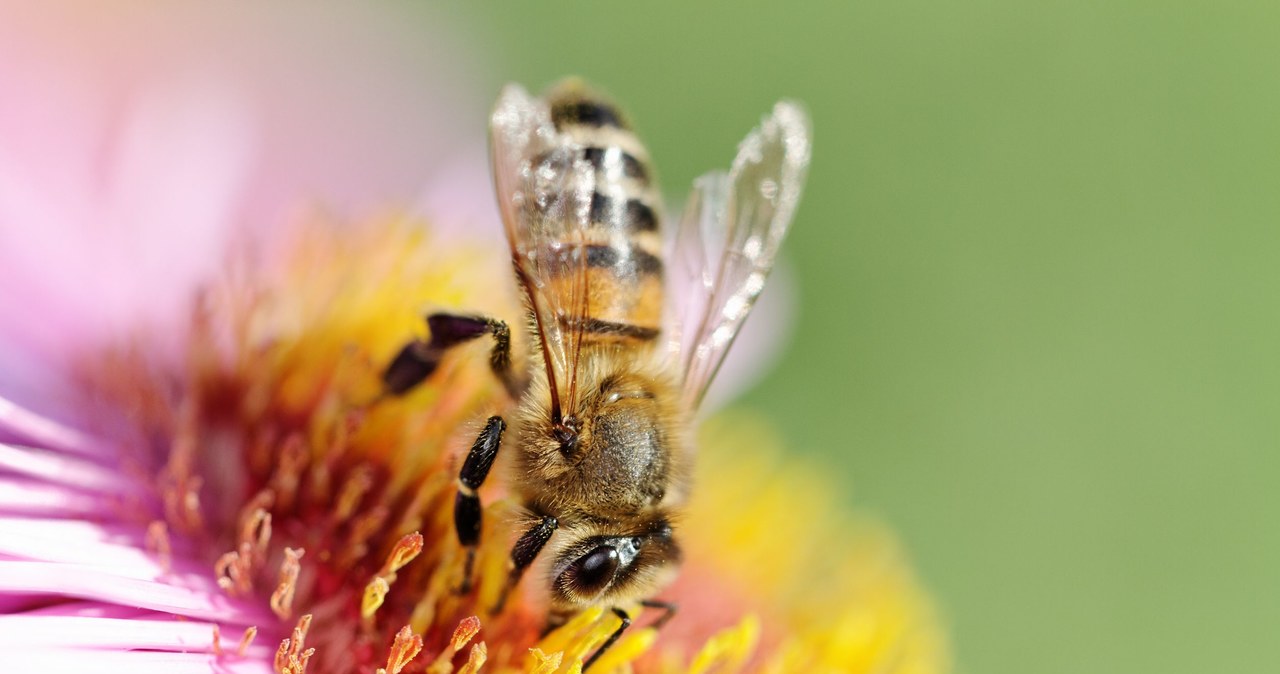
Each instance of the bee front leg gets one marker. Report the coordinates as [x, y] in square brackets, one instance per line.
[669, 611]
[419, 359]
[522, 555]
[666, 606]
[613, 638]
[467, 513]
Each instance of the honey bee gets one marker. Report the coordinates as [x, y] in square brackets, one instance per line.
[628, 327]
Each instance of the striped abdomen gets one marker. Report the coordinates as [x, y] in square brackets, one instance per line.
[623, 240]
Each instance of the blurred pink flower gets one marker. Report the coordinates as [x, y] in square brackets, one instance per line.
[137, 141]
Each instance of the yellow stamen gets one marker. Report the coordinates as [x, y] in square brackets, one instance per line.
[158, 542]
[628, 648]
[255, 525]
[246, 640]
[462, 634]
[406, 647]
[363, 528]
[292, 459]
[466, 630]
[407, 548]
[282, 598]
[728, 650]
[567, 634]
[475, 659]
[290, 657]
[353, 490]
[541, 663]
[374, 594]
[234, 572]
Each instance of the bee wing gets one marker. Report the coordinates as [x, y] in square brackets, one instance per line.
[544, 186]
[728, 238]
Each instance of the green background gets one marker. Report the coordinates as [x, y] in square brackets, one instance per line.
[1037, 260]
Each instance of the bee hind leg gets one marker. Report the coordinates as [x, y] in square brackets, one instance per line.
[419, 359]
[467, 512]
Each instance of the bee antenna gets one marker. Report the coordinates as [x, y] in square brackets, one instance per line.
[526, 282]
[567, 431]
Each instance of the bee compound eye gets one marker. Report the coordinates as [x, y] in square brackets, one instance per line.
[593, 571]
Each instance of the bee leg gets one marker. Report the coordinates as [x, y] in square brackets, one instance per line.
[522, 555]
[669, 608]
[467, 513]
[415, 362]
[419, 359]
[613, 638]
[453, 329]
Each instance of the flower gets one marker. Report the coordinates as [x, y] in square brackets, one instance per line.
[212, 481]
[293, 519]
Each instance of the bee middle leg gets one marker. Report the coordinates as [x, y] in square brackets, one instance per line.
[419, 358]
[467, 512]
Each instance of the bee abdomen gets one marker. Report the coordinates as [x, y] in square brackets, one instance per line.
[630, 215]
[607, 160]
[623, 265]
[631, 263]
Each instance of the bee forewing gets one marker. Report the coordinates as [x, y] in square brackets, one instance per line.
[544, 189]
[513, 128]
[728, 239]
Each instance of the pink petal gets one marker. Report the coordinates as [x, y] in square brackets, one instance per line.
[19, 423]
[198, 600]
[63, 468]
[167, 634]
[75, 661]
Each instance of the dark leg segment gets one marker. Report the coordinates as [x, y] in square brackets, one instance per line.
[522, 555]
[669, 608]
[417, 360]
[613, 638]
[467, 514]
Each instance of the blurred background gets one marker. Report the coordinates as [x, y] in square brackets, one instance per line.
[1037, 262]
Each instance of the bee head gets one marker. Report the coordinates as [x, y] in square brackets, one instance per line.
[618, 567]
